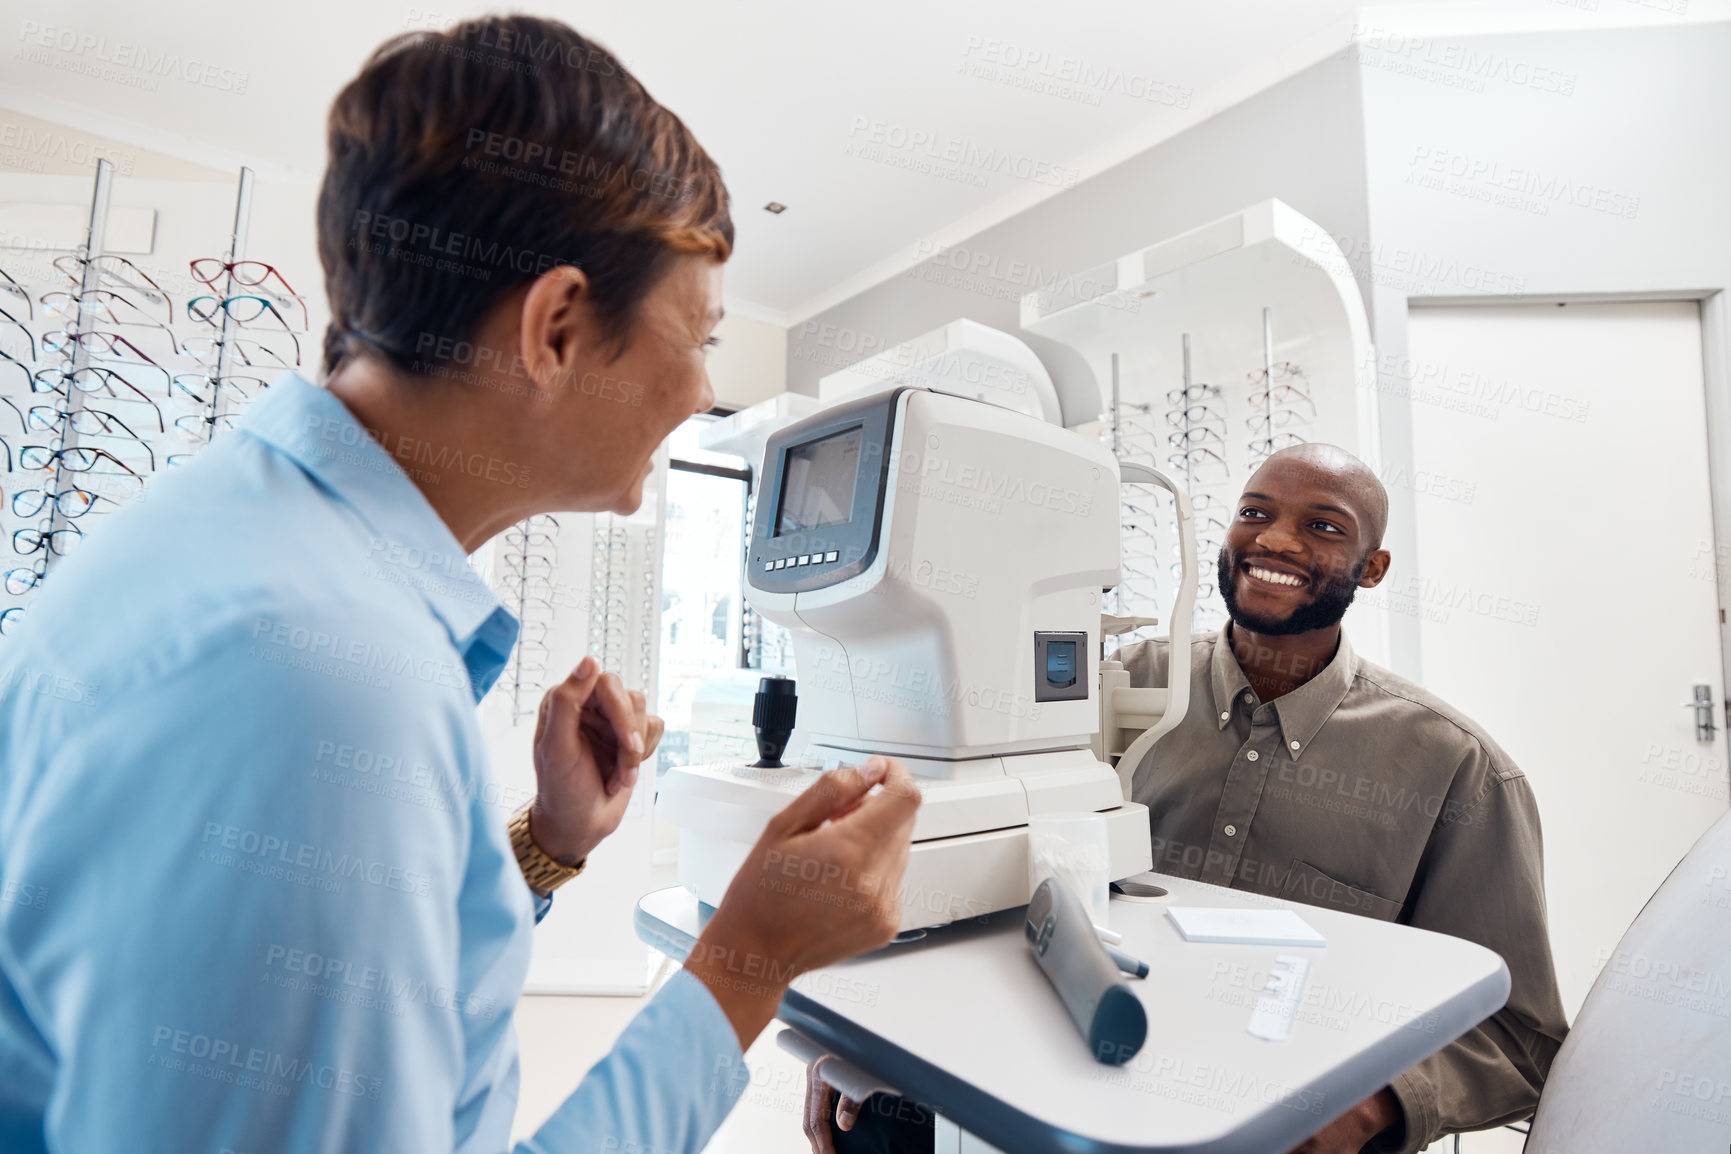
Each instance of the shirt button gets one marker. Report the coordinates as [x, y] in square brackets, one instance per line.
[1231, 831]
[1295, 747]
[1251, 755]
[1225, 717]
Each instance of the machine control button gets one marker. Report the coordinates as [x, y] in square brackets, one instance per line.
[832, 555]
[805, 559]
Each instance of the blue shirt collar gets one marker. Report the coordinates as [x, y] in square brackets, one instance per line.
[309, 425]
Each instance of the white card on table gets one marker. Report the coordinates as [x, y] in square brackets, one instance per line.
[1247, 927]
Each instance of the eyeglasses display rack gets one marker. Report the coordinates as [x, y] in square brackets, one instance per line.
[530, 560]
[1280, 400]
[1197, 412]
[1130, 429]
[97, 370]
[1251, 296]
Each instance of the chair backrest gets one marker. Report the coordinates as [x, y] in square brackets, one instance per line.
[1647, 1066]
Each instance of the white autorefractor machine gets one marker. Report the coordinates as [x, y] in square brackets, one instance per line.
[939, 561]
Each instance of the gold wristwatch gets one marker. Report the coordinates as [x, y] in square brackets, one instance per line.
[543, 873]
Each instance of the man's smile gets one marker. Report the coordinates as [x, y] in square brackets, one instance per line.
[1279, 578]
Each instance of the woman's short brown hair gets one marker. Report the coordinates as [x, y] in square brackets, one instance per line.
[465, 163]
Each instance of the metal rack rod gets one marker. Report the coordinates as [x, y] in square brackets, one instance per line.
[236, 253]
[1268, 374]
[66, 437]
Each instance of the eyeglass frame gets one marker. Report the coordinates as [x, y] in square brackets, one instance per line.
[12, 286]
[1268, 446]
[8, 358]
[1259, 377]
[68, 375]
[36, 576]
[153, 289]
[68, 414]
[1278, 419]
[1186, 416]
[218, 343]
[225, 382]
[23, 328]
[1281, 394]
[228, 266]
[225, 304]
[60, 454]
[79, 301]
[54, 498]
[143, 358]
[44, 539]
[1195, 437]
[1190, 394]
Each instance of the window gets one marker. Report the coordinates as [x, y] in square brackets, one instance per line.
[702, 621]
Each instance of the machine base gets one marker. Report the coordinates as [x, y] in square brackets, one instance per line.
[948, 878]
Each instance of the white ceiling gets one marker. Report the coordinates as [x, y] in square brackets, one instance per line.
[777, 90]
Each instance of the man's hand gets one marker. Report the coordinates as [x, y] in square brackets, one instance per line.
[818, 1096]
[590, 737]
[823, 883]
[1348, 1133]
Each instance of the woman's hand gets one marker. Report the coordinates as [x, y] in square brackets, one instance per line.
[823, 883]
[590, 738]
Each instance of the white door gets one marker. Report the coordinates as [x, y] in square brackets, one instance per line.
[1566, 588]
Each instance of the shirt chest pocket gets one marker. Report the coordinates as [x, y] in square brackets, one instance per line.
[1305, 883]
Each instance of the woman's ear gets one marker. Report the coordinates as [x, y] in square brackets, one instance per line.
[555, 327]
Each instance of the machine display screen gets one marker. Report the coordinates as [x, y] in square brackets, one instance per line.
[817, 483]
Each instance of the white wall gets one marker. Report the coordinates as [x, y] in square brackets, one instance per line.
[29, 144]
[750, 363]
[1299, 140]
[1641, 136]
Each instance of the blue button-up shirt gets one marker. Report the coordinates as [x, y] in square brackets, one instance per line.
[255, 891]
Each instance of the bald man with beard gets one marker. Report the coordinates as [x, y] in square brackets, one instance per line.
[1304, 772]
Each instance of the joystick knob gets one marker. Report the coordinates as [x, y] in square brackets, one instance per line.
[772, 712]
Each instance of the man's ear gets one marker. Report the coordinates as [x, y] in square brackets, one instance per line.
[554, 326]
[1376, 564]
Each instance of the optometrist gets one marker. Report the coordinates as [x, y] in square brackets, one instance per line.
[257, 889]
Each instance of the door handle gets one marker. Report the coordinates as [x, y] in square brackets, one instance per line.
[1703, 706]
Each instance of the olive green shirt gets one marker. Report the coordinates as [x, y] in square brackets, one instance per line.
[1361, 791]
